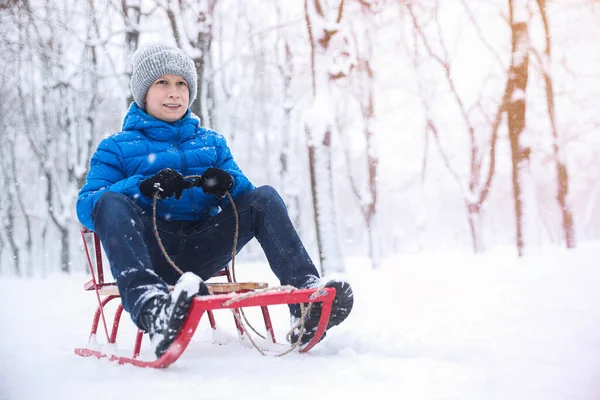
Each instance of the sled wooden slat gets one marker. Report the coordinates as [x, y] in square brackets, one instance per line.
[213, 288]
[216, 288]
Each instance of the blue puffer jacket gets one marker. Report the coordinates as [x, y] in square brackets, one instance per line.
[145, 146]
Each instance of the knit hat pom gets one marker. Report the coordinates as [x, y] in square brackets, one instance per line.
[151, 62]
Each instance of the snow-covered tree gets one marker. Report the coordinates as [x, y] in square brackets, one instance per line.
[562, 173]
[329, 62]
[363, 81]
[192, 27]
[476, 183]
[516, 107]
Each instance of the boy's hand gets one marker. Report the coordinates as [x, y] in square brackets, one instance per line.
[215, 181]
[167, 182]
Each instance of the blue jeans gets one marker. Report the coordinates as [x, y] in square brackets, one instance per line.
[204, 248]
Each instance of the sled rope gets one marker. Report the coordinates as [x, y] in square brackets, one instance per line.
[164, 251]
[162, 248]
[233, 278]
[233, 251]
[304, 309]
[246, 323]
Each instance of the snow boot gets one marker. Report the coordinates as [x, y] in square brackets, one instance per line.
[340, 309]
[162, 316]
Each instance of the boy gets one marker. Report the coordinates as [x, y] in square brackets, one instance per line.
[160, 143]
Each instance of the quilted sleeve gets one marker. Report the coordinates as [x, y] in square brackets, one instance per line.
[105, 174]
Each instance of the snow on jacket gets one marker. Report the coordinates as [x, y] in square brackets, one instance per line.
[145, 146]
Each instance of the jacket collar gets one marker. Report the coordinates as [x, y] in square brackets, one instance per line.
[156, 129]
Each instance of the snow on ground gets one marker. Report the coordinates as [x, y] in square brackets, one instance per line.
[445, 326]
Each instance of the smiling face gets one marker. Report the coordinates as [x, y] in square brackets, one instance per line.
[168, 98]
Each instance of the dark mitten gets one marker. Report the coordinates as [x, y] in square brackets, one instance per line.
[215, 181]
[167, 182]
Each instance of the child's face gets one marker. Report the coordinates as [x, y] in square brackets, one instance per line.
[168, 98]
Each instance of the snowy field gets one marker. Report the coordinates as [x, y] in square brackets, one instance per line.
[446, 326]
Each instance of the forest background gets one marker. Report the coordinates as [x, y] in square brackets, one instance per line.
[389, 127]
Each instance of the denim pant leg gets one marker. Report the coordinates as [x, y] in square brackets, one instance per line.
[262, 215]
[123, 227]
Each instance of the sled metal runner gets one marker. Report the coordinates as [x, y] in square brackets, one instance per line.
[231, 295]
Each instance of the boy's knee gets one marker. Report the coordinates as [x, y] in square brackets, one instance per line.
[111, 202]
[266, 191]
[111, 199]
[268, 194]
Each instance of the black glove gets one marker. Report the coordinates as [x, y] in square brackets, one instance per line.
[215, 181]
[167, 182]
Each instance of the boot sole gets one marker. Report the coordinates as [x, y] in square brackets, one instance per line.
[175, 323]
[342, 303]
[340, 309]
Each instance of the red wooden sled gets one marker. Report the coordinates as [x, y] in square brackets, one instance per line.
[228, 295]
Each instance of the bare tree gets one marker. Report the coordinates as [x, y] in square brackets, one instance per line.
[363, 77]
[9, 196]
[18, 232]
[131, 10]
[323, 24]
[16, 217]
[192, 26]
[287, 157]
[482, 152]
[562, 174]
[60, 120]
[7, 4]
[10, 208]
[516, 107]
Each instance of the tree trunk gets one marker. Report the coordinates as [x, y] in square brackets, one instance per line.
[516, 109]
[196, 40]
[474, 220]
[562, 174]
[131, 17]
[287, 157]
[319, 132]
[210, 111]
[477, 187]
[367, 105]
[9, 224]
[65, 258]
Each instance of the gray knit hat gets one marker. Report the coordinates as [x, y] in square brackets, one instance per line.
[152, 62]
